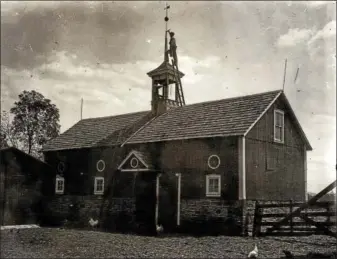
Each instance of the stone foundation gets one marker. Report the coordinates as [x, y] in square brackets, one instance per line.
[211, 216]
[76, 211]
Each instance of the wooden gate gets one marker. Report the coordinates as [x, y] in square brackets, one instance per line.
[312, 217]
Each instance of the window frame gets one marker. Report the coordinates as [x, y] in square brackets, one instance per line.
[209, 162]
[279, 112]
[208, 178]
[101, 161]
[98, 178]
[57, 180]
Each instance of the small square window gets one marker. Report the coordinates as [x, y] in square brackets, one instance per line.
[99, 185]
[59, 185]
[213, 185]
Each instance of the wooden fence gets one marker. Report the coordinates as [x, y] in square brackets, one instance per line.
[318, 219]
[293, 218]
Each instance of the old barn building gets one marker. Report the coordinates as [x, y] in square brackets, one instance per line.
[179, 165]
[24, 181]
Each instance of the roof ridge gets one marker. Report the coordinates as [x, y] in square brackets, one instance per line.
[113, 116]
[235, 97]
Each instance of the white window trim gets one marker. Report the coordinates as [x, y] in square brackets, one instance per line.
[136, 163]
[98, 167]
[282, 113]
[213, 194]
[209, 160]
[59, 179]
[95, 185]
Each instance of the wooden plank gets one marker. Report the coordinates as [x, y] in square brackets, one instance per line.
[242, 167]
[299, 229]
[319, 204]
[305, 205]
[291, 219]
[297, 223]
[309, 233]
[257, 220]
[309, 214]
[321, 227]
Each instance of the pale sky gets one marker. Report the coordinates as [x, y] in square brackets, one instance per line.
[101, 52]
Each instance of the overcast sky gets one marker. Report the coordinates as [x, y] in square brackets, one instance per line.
[101, 52]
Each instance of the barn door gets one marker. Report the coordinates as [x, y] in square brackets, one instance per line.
[168, 201]
[145, 192]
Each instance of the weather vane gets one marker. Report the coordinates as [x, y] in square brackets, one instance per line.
[173, 47]
[166, 20]
[166, 17]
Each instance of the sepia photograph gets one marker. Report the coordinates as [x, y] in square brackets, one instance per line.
[168, 129]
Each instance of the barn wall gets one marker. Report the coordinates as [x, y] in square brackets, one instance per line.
[80, 169]
[21, 188]
[189, 158]
[275, 171]
[186, 157]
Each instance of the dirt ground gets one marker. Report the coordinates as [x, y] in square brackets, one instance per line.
[65, 243]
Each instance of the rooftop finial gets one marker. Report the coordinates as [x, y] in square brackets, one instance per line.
[166, 20]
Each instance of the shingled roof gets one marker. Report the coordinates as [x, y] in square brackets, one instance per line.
[89, 133]
[221, 118]
[226, 117]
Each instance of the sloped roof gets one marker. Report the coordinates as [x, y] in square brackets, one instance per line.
[226, 117]
[164, 68]
[221, 118]
[25, 158]
[90, 132]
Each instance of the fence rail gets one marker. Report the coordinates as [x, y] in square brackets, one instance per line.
[318, 218]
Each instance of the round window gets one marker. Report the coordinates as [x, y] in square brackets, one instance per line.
[213, 161]
[134, 162]
[100, 166]
[61, 167]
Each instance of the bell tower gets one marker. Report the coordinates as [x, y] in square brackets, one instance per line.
[167, 90]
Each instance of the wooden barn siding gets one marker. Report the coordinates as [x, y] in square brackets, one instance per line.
[84, 161]
[190, 158]
[287, 180]
[187, 157]
[21, 189]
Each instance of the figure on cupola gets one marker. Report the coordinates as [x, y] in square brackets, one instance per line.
[173, 48]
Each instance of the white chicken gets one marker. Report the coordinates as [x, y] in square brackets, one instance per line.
[93, 223]
[254, 253]
[159, 229]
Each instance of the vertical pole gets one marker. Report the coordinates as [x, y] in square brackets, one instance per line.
[284, 74]
[166, 48]
[81, 108]
[157, 199]
[4, 190]
[291, 219]
[242, 168]
[305, 174]
[178, 198]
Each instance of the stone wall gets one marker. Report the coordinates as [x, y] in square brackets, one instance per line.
[211, 216]
[76, 211]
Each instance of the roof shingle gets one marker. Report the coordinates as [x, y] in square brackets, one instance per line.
[90, 132]
[226, 117]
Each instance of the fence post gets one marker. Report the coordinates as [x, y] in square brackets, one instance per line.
[255, 219]
[291, 219]
[328, 218]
